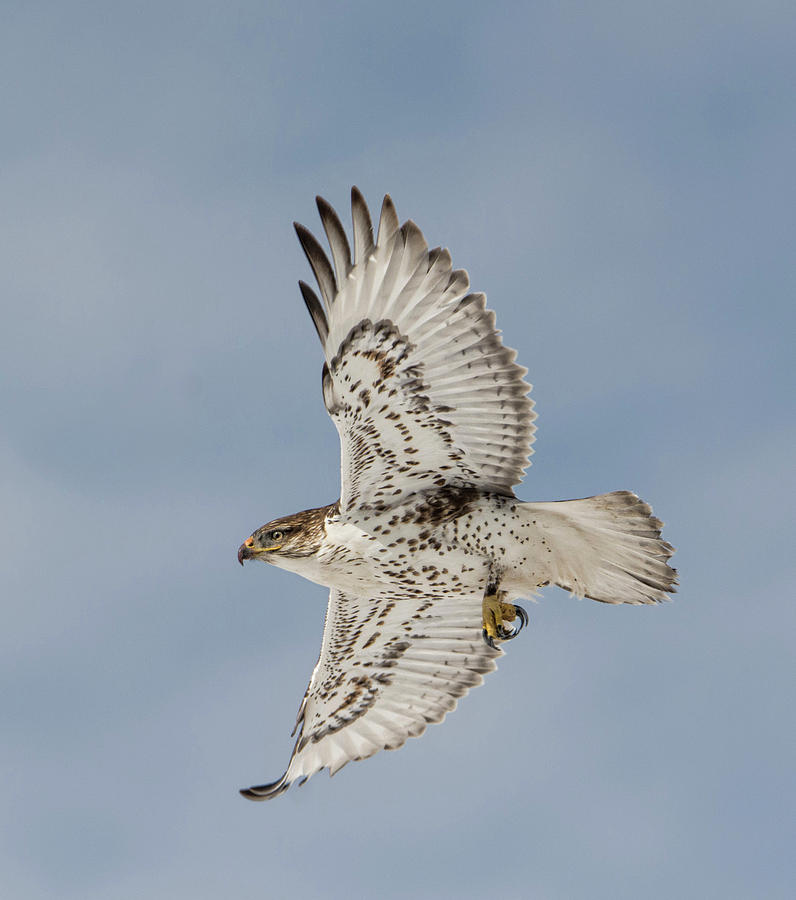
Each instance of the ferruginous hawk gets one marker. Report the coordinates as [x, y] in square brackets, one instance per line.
[428, 548]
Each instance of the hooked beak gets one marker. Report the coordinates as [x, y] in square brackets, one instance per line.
[245, 550]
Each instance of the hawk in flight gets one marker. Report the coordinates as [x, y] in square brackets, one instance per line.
[428, 548]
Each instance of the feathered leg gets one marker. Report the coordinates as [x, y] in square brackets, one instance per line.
[495, 613]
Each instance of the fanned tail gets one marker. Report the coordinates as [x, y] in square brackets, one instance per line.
[607, 548]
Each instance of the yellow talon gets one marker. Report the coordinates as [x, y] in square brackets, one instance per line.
[508, 612]
[495, 614]
[491, 615]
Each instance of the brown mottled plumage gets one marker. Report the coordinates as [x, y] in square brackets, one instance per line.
[428, 547]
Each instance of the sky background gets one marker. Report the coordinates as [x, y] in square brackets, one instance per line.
[618, 177]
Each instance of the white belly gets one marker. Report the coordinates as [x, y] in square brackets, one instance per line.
[382, 557]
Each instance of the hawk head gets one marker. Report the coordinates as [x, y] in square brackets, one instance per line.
[291, 537]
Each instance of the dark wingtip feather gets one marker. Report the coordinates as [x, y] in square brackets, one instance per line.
[363, 227]
[266, 791]
[321, 266]
[315, 310]
[413, 237]
[388, 222]
[338, 242]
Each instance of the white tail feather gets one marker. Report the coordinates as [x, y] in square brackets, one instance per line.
[608, 548]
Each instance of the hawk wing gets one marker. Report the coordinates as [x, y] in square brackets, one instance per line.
[386, 670]
[417, 380]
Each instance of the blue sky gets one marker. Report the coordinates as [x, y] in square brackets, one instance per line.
[618, 177]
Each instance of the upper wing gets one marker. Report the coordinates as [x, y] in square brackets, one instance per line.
[416, 379]
[387, 668]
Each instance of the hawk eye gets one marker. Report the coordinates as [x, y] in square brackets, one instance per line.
[276, 535]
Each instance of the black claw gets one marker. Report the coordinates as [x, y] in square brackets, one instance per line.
[508, 634]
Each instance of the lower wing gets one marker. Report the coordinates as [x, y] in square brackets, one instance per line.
[387, 669]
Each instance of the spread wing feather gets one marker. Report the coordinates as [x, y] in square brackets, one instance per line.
[387, 669]
[417, 380]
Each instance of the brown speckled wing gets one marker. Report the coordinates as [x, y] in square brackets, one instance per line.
[417, 380]
[387, 669]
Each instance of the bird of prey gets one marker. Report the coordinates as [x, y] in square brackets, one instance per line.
[428, 549]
